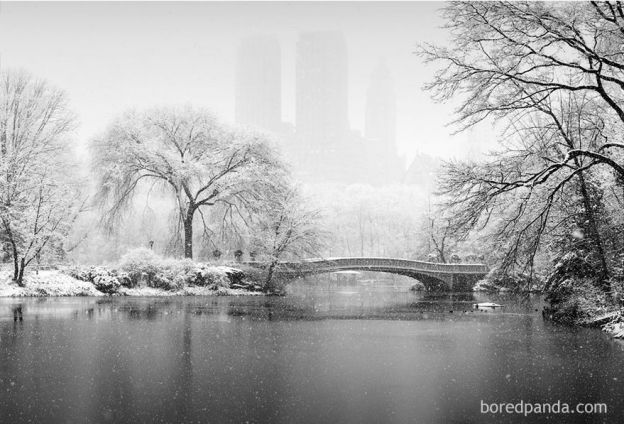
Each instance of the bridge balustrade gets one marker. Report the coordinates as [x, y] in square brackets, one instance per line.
[333, 263]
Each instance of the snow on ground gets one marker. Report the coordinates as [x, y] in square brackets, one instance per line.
[46, 283]
[55, 283]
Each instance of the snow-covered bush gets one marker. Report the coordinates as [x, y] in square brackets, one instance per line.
[161, 273]
[140, 263]
[184, 272]
[497, 279]
[573, 290]
[572, 265]
[106, 283]
[79, 273]
[577, 299]
[236, 276]
[181, 266]
[174, 274]
[166, 281]
[124, 279]
[485, 286]
[104, 280]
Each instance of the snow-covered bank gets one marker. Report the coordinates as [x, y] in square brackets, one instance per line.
[615, 326]
[612, 323]
[187, 291]
[201, 280]
[579, 296]
[47, 283]
[497, 281]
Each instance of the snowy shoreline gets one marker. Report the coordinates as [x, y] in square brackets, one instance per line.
[57, 283]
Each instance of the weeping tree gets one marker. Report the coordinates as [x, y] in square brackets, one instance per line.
[39, 201]
[192, 157]
[553, 75]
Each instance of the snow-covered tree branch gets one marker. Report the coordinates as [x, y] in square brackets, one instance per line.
[38, 198]
[190, 155]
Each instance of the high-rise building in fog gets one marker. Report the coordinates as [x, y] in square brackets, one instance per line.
[321, 146]
[259, 83]
[322, 89]
[380, 123]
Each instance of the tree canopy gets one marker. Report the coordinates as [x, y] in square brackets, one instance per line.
[188, 153]
[288, 228]
[554, 74]
[39, 200]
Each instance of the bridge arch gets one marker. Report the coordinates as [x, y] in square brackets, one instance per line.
[432, 283]
[434, 276]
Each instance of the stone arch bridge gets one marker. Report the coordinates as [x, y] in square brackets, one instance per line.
[435, 276]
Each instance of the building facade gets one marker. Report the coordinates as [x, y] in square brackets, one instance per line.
[322, 91]
[321, 146]
[259, 83]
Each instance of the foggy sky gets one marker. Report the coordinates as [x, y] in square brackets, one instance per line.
[114, 56]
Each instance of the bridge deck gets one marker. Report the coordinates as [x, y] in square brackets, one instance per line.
[319, 264]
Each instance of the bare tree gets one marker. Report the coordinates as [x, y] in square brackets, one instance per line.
[287, 228]
[188, 153]
[38, 201]
[513, 59]
[441, 235]
[555, 73]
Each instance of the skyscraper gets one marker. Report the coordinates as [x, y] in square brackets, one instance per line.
[380, 124]
[322, 89]
[259, 83]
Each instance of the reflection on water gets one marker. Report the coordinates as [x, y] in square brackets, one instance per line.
[350, 354]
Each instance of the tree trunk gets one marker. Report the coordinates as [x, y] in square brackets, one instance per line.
[18, 271]
[188, 234]
[20, 277]
[15, 266]
[594, 233]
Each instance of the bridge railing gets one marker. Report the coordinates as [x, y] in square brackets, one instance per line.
[337, 263]
[403, 263]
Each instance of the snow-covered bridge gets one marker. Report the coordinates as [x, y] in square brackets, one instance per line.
[434, 276]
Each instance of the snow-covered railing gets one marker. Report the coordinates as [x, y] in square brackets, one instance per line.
[380, 264]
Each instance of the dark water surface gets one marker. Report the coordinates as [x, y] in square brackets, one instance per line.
[352, 355]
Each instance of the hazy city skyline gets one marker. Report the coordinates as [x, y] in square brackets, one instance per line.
[259, 83]
[186, 53]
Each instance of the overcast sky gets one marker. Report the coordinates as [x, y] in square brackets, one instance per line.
[112, 56]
